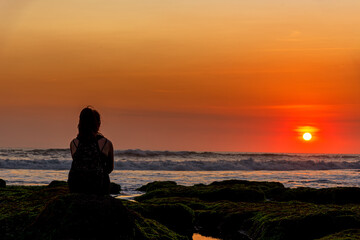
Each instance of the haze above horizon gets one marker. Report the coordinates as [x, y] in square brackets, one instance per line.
[239, 76]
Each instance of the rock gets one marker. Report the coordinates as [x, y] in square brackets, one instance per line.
[269, 189]
[115, 188]
[312, 223]
[85, 216]
[247, 183]
[81, 216]
[232, 191]
[350, 234]
[56, 183]
[232, 194]
[337, 195]
[157, 185]
[177, 217]
[2, 183]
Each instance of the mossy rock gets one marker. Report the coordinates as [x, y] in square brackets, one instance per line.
[152, 230]
[82, 216]
[232, 194]
[350, 234]
[209, 222]
[21, 204]
[177, 217]
[269, 189]
[42, 212]
[114, 187]
[303, 225]
[2, 183]
[212, 192]
[157, 185]
[248, 183]
[338, 195]
[167, 212]
[342, 195]
[57, 183]
[164, 193]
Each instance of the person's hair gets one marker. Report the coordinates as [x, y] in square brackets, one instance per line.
[89, 124]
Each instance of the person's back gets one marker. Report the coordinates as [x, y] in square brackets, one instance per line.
[92, 157]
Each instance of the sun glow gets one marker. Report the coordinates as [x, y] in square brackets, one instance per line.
[306, 133]
[307, 136]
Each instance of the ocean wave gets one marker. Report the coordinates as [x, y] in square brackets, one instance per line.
[63, 154]
[148, 153]
[188, 154]
[190, 165]
[225, 165]
[52, 164]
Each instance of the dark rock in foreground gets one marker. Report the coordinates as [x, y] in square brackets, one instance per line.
[2, 183]
[81, 216]
[42, 212]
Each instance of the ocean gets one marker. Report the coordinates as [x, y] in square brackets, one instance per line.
[134, 168]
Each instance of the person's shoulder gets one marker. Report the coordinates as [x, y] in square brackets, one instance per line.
[109, 144]
[102, 138]
[74, 141]
[108, 141]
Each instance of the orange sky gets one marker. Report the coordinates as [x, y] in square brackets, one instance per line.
[182, 75]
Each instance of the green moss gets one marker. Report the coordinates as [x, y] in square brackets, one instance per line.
[152, 230]
[21, 204]
[176, 216]
[350, 234]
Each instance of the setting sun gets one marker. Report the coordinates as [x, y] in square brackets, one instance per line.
[306, 132]
[307, 136]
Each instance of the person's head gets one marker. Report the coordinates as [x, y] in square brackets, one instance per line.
[89, 123]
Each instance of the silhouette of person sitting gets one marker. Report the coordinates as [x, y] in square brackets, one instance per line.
[93, 156]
